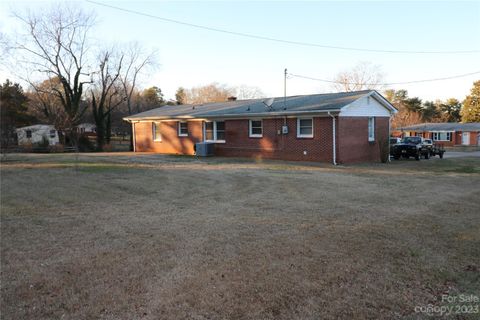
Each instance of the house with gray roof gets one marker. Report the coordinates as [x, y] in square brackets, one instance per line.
[447, 133]
[334, 127]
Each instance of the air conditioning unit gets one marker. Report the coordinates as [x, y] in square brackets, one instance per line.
[204, 149]
[284, 129]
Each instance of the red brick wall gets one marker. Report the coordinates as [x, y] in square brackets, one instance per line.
[171, 143]
[474, 138]
[352, 136]
[352, 140]
[472, 141]
[456, 138]
[277, 146]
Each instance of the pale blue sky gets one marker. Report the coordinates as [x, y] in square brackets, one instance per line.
[190, 57]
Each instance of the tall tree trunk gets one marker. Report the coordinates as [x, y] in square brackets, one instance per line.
[100, 135]
[108, 128]
[99, 117]
[130, 131]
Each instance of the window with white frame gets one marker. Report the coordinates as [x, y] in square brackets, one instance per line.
[371, 129]
[214, 131]
[255, 128]
[29, 133]
[156, 131]
[304, 127]
[442, 136]
[52, 133]
[182, 129]
[209, 136]
[220, 130]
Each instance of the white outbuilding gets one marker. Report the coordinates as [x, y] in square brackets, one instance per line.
[86, 128]
[35, 134]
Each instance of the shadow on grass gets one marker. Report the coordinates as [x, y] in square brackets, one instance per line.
[100, 168]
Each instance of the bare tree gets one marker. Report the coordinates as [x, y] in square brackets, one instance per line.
[408, 108]
[106, 95]
[56, 46]
[45, 105]
[405, 117]
[136, 60]
[244, 92]
[363, 76]
[213, 92]
[4, 46]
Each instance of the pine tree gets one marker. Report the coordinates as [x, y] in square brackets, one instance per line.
[471, 106]
[180, 96]
[13, 111]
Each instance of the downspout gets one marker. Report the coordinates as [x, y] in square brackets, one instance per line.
[134, 138]
[333, 139]
[388, 138]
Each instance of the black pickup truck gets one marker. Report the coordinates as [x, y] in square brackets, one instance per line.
[410, 147]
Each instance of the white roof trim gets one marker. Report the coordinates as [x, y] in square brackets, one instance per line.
[383, 101]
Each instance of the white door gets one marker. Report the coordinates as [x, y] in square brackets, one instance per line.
[466, 138]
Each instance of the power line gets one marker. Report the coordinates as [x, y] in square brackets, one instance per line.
[386, 84]
[259, 37]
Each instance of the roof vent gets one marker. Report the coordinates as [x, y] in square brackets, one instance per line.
[232, 98]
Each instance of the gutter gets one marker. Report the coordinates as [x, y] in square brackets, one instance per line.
[334, 139]
[389, 133]
[235, 116]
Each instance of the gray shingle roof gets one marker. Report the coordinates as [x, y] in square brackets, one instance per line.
[255, 107]
[446, 126]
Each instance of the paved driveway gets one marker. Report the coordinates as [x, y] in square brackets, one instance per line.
[459, 154]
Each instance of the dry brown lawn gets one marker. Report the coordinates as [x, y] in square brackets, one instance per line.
[124, 236]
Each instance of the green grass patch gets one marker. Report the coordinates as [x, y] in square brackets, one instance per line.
[465, 169]
[456, 165]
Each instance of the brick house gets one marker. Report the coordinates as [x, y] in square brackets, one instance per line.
[336, 127]
[447, 133]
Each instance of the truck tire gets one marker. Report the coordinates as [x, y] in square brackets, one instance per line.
[441, 155]
[396, 157]
[427, 155]
[417, 156]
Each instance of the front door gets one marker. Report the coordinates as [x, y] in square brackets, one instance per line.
[466, 138]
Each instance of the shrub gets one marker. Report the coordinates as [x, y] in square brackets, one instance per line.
[108, 147]
[56, 148]
[42, 146]
[383, 148]
[84, 144]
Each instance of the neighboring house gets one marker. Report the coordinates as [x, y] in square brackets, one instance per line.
[35, 134]
[335, 127]
[450, 134]
[88, 128]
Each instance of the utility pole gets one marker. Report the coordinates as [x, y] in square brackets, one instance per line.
[285, 90]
